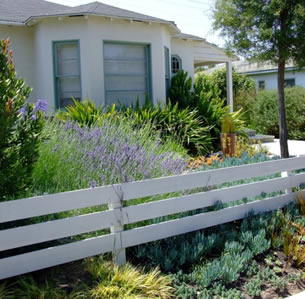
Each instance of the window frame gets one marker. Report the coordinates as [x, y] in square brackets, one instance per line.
[55, 77]
[148, 64]
[180, 63]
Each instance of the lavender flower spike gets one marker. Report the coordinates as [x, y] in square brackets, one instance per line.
[41, 105]
[22, 110]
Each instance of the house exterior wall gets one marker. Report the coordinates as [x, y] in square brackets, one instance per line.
[24, 56]
[196, 53]
[271, 79]
[184, 49]
[156, 35]
[33, 52]
[49, 31]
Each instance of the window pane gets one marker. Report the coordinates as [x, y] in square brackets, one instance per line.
[125, 67]
[68, 88]
[124, 51]
[176, 64]
[67, 51]
[261, 84]
[289, 82]
[68, 68]
[125, 83]
[126, 73]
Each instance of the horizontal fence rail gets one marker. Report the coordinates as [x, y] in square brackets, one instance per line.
[193, 191]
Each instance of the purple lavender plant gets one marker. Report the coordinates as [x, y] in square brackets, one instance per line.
[109, 154]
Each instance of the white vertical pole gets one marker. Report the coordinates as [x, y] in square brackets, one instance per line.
[229, 85]
[286, 174]
[119, 255]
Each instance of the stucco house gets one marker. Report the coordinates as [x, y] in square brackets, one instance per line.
[99, 51]
[265, 73]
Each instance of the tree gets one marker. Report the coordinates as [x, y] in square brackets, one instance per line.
[265, 30]
[21, 124]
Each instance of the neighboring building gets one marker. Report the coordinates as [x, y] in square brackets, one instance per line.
[265, 74]
[99, 51]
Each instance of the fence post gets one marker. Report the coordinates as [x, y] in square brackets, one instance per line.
[286, 174]
[119, 255]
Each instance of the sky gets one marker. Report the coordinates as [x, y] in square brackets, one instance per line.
[191, 16]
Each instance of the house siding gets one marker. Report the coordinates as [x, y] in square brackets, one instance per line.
[271, 79]
[184, 49]
[22, 39]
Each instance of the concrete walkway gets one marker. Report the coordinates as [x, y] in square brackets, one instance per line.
[296, 148]
[297, 296]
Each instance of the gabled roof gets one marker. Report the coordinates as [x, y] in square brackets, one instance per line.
[18, 11]
[22, 11]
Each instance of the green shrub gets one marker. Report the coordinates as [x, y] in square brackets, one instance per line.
[217, 82]
[21, 125]
[206, 99]
[181, 124]
[215, 87]
[180, 90]
[85, 113]
[265, 112]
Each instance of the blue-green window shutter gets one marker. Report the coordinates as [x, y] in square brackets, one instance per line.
[167, 72]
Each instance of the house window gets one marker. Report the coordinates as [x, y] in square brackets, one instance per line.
[176, 64]
[126, 73]
[67, 72]
[289, 82]
[167, 71]
[261, 85]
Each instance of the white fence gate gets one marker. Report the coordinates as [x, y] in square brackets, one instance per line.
[117, 215]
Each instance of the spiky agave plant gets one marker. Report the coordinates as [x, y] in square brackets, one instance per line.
[85, 112]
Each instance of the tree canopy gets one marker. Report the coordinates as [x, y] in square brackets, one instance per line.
[263, 30]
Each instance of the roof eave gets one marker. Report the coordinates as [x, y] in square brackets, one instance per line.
[189, 38]
[11, 23]
[169, 23]
[268, 71]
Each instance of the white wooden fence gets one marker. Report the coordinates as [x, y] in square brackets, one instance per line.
[117, 215]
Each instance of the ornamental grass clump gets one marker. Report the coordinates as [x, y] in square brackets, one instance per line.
[21, 125]
[127, 282]
[73, 157]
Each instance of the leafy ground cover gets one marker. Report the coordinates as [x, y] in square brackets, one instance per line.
[243, 259]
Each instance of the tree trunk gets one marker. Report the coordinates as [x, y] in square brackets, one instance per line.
[282, 110]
